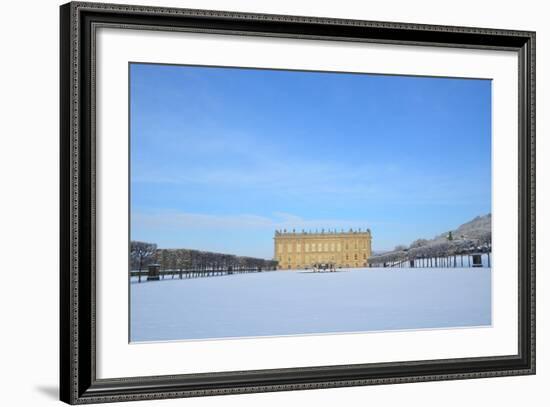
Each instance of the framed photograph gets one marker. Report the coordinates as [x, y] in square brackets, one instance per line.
[254, 203]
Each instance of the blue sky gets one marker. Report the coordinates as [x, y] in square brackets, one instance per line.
[221, 157]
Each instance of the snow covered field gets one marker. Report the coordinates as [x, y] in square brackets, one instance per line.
[298, 302]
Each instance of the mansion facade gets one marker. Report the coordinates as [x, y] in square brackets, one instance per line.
[306, 249]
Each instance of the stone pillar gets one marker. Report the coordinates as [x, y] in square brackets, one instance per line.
[154, 272]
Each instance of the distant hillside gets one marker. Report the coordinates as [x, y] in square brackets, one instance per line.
[477, 228]
[474, 235]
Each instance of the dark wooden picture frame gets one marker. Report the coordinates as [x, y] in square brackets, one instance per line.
[78, 381]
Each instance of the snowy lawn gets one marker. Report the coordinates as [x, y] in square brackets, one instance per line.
[297, 302]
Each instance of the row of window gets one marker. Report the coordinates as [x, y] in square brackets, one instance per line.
[319, 259]
[320, 247]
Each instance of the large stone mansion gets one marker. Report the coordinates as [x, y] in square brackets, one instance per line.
[303, 250]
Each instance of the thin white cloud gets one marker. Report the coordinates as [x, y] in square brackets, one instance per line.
[279, 220]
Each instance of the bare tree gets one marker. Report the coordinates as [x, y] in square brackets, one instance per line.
[418, 243]
[142, 254]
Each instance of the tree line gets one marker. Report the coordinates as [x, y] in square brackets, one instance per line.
[423, 248]
[142, 254]
[471, 237]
